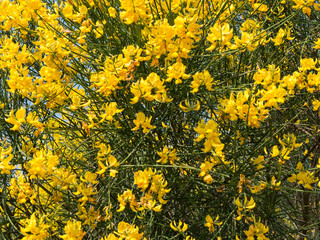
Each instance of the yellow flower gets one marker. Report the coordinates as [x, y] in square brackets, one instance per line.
[127, 231]
[274, 183]
[86, 191]
[221, 34]
[34, 228]
[257, 229]
[210, 132]
[112, 12]
[111, 161]
[142, 120]
[210, 223]
[167, 154]
[260, 7]
[245, 205]
[190, 107]
[201, 78]
[182, 227]
[110, 110]
[275, 151]
[317, 44]
[316, 105]
[43, 163]
[134, 11]
[307, 64]
[127, 197]
[259, 161]
[5, 158]
[278, 40]
[304, 178]
[208, 179]
[247, 40]
[89, 177]
[18, 119]
[73, 231]
[177, 71]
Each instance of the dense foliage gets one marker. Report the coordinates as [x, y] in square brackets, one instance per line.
[159, 119]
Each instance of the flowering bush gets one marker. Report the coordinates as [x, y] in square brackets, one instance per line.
[169, 119]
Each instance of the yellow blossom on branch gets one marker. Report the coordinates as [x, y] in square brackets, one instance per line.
[181, 227]
[210, 222]
[17, 119]
[144, 122]
[73, 230]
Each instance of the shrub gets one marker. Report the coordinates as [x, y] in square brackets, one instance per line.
[166, 119]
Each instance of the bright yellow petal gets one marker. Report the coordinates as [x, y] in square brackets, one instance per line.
[209, 219]
[238, 203]
[21, 114]
[185, 227]
[251, 204]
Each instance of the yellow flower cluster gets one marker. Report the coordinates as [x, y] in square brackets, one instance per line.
[153, 187]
